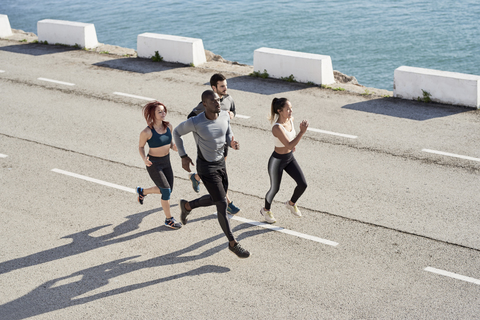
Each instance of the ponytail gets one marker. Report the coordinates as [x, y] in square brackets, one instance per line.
[277, 105]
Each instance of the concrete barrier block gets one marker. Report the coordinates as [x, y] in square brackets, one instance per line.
[443, 86]
[171, 48]
[305, 67]
[5, 29]
[67, 32]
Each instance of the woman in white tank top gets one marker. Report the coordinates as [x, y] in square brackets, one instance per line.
[282, 159]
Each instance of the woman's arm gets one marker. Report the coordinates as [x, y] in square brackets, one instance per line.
[144, 136]
[173, 146]
[280, 134]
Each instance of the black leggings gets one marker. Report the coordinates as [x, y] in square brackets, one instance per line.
[162, 174]
[276, 165]
[216, 183]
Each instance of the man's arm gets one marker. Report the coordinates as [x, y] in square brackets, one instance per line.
[182, 129]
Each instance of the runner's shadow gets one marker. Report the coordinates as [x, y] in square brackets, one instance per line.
[73, 290]
[83, 241]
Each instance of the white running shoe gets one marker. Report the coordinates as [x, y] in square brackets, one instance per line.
[268, 215]
[293, 209]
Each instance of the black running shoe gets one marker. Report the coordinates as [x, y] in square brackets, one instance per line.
[184, 212]
[172, 223]
[140, 195]
[239, 251]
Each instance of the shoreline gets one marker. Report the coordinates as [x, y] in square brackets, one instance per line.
[343, 82]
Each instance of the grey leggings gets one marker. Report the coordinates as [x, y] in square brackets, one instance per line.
[276, 165]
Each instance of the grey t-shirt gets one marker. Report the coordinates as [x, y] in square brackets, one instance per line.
[210, 135]
[226, 103]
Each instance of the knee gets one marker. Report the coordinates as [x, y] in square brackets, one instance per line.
[166, 192]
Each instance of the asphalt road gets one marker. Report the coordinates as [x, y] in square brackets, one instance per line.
[389, 229]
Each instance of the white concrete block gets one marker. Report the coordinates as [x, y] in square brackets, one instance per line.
[5, 29]
[305, 67]
[67, 32]
[171, 48]
[444, 87]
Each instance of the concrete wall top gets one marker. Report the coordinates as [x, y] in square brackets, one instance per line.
[433, 72]
[292, 53]
[170, 37]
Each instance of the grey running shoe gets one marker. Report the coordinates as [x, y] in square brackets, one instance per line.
[172, 223]
[195, 183]
[293, 209]
[184, 212]
[268, 215]
[239, 251]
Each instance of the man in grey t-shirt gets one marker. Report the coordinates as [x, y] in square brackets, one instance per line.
[218, 82]
[211, 130]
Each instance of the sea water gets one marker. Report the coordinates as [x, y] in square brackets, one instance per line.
[365, 39]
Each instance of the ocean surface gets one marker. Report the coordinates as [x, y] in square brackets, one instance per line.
[365, 39]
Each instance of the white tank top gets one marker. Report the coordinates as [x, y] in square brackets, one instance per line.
[290, 135]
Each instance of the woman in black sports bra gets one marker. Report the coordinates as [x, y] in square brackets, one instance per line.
[158, 136]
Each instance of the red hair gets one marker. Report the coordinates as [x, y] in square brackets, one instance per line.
[149, 113]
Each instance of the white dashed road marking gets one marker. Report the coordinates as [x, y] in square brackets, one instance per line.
[255, 223]
[56, 81]
[133, 96]
[333, 133]
[242, 117]
[108, 184]
[452, 275]
[3, 155]
[451, 155]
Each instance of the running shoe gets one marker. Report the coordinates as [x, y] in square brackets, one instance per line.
[184, 212]
[172, 223]
[293, 209]
[195, 183]
[232, 209]
[268, 215]
[239, 251]
[140, 195]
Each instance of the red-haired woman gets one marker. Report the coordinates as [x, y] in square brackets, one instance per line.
[158, 136]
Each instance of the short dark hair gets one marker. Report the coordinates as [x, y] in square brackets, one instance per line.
[207, 94]
[216, 78]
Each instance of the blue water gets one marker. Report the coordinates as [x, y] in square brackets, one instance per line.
[365, 39]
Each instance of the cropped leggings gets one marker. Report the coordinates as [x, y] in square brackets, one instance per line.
[162, 174]
[276, 165]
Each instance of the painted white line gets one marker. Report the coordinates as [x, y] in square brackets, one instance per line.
[1, 71]
[133, 96]
[255, 223]
[452, 275]
[282, 230]
[3, 155]
[242, 117]
[333, 133]
[56, 81]
[108, 184]
[451, 155]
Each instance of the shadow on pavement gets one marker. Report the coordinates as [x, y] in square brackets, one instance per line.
[263, 86]
[37, 49]
[67, 291]
[139, 65]
[406, 109]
